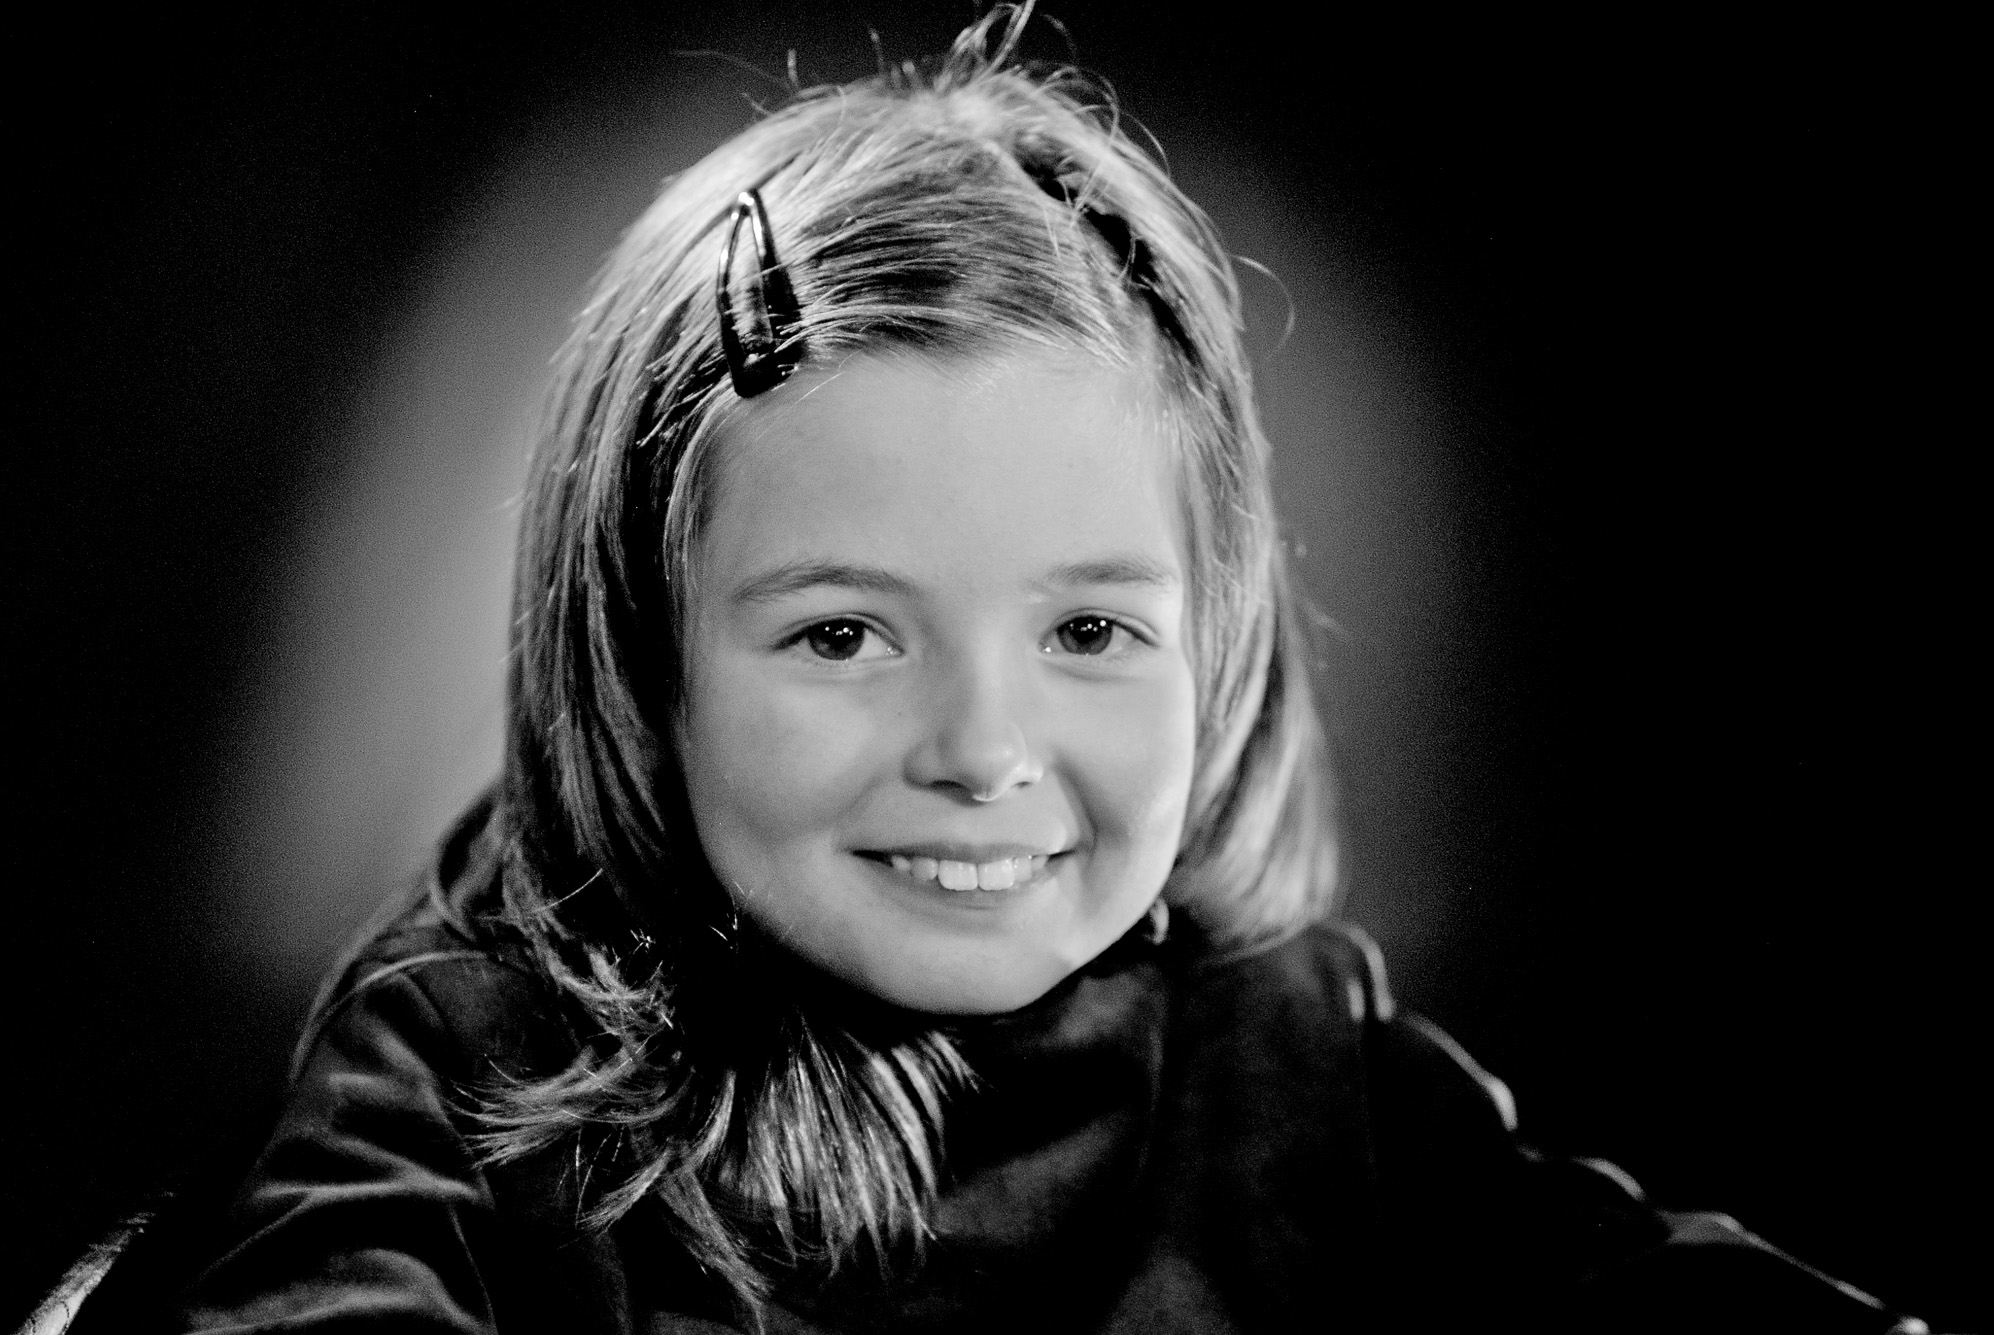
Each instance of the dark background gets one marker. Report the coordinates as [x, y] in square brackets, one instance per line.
[1615, 423]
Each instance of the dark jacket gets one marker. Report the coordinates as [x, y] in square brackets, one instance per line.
[1171, 1141]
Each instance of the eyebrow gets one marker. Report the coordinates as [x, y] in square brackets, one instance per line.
[1119, 569]
[796, 576]
[771, 585]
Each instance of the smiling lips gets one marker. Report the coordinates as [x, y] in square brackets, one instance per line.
[1001, 874]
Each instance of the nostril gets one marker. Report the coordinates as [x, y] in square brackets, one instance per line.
[974, 748]
[1020, 775]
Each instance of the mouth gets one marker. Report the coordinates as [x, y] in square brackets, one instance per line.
[966, 873]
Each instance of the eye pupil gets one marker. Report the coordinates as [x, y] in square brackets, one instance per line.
[837, 640]
[1087, 635]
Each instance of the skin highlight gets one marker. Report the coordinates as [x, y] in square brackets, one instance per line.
[938, 641]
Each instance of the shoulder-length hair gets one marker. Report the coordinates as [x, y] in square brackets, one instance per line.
[981, 208]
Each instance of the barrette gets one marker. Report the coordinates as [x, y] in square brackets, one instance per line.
[762, 355]
[1131, 252]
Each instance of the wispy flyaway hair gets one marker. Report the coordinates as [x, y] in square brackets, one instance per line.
[975, 210]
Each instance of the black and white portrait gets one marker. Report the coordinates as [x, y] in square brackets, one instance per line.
[1020, 628]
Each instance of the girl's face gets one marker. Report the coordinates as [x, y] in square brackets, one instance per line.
[939, 717]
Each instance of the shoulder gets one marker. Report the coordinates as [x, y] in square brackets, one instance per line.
[439, 968]
[371, 1195]
[1318, 1119]
[1330, 980]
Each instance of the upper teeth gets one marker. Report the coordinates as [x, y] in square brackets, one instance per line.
[999, 875]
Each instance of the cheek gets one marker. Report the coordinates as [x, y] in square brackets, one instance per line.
[766, 767]
[1133, 758]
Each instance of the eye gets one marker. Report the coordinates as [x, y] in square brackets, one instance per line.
[843, 640]
[1087, 635]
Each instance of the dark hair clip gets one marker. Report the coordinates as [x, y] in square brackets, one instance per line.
[762, 356]
[1131, 252]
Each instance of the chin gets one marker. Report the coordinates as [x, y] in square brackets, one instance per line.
[973, 991]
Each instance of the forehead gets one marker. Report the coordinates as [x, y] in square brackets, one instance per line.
[977, 469]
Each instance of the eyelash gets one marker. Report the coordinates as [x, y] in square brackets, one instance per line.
[802, 639]
[809, 637]
[1113, 625]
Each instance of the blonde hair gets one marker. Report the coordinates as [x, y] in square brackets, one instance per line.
[982, 208]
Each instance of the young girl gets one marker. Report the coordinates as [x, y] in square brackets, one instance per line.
[904, 907]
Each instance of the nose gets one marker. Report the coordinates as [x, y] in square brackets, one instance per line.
[975, 740]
